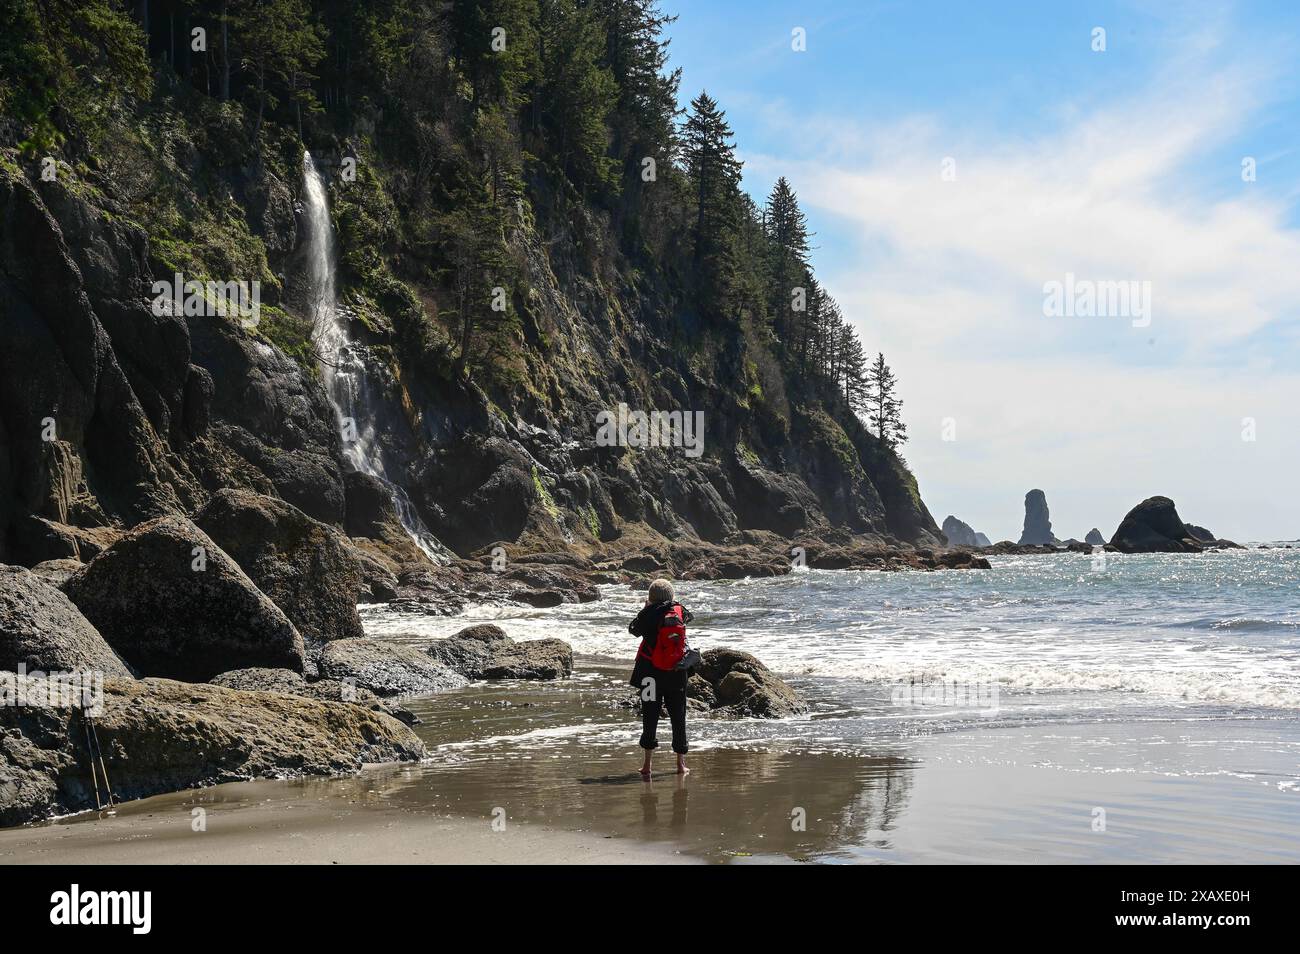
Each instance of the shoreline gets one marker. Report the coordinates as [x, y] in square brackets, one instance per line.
[280, 822]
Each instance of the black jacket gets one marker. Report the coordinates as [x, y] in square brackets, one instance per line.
[646, 625]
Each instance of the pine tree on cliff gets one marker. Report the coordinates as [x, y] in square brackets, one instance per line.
[280, 43]
[636, 54]
[576, 93]
[497, 47]
[787, 232]
[884, 409]
[714, 175]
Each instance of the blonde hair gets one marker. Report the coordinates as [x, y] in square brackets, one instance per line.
[661, 591]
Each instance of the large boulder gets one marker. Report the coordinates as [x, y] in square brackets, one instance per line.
[1153, 526]
[386, 669]
[173, 604]
[485, 651]
[327, 690]
[163, 736]
[42, 630]
[1038, 523]
[734, 683]
[307, 568]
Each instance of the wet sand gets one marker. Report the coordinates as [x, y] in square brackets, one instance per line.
[342, 821]
[557, 762]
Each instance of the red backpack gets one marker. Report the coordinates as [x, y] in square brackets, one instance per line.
[670, 644]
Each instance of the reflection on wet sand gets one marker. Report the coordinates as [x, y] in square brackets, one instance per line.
[566, 757]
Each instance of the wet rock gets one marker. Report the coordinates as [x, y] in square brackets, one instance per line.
[42, 630]
[162, 736]
[486, 652]
[531, 659]
[386, 669]
[734, 683]
[308, 569]
[1038, 524]
[378, 583]
[165, 616]
[538, 598]
[327, 690]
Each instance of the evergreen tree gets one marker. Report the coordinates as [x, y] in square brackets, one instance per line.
[713, 172]
[62, 62]
[576, 93]
[787, 232]
[884, 407]
[281, 43]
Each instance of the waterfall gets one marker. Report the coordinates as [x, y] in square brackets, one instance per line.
[343, 361]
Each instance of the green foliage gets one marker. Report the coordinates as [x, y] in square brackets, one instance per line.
[884, 407]
[281, 43]
[64, 64]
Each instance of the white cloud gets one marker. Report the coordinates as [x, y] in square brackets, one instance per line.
[1096, 412]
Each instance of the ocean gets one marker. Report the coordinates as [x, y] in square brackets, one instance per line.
[1052, 708]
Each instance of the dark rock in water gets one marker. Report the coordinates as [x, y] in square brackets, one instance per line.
[1200, 533]
[163, 736]
[959, 534]
[1094, 538]
[386, 669]
[486, 652]
[173, 604]
[531, 659]
[734, 683]
[327, 690]
[541, 599]
[1153, 526]
[41, 629]
[308, 569]
[982, 541]
[1038, 523]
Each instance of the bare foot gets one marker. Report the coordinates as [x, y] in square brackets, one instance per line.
[682, 769]
[645, 772]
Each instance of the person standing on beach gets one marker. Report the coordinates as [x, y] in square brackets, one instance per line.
[661, 624]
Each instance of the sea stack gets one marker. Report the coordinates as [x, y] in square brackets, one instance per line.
[1153, 526]
[1038, 523]
[1095, 538]
[959, 533]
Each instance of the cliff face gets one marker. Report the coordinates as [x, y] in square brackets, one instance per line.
[112, 412]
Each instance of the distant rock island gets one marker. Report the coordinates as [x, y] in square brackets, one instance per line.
[960, 534]
[1094, 538]
[1038, 523]
[1153, 526]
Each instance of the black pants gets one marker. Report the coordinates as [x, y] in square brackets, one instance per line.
[674, 700]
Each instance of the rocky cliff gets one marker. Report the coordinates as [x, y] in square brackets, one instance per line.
[114, 410]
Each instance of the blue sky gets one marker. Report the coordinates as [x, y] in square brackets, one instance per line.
[1117, 165]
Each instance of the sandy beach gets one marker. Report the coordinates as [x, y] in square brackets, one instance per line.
[557, 762]
[283, 823]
